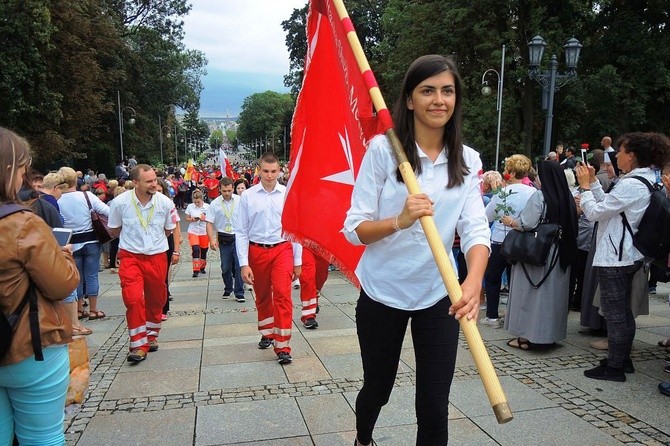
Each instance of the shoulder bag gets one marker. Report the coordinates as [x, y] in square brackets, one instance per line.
[533, 247]
[99, 222]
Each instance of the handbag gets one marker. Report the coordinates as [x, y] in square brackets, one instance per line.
[533, 247]
[99, 222]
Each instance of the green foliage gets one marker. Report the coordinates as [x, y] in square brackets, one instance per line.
[63, 63]
[264, 116]
[623, 81]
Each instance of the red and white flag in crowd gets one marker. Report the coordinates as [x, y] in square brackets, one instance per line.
[226, 168]
[332, 123]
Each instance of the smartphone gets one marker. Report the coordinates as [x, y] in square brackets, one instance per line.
[584, 156]
[63, 235]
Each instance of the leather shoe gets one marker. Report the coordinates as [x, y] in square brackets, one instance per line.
[627, 365]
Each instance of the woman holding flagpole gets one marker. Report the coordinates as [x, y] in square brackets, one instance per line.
[400, 281]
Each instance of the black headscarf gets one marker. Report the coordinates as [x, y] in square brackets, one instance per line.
[561, 208]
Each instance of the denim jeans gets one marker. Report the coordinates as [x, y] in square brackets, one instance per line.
[230, 266]
[615, 301]
[32, 397]
[87, 259]
[381, 330]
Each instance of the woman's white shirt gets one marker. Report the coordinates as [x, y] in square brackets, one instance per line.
[76, 214]
[519, 195]
[399, 270]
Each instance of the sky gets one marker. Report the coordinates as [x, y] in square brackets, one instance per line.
[245, 48]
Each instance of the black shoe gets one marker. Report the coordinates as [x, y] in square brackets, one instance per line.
[311, 323]
[153, 346]
[226, 294]
[284, 358]
[240, 299]
[627, 365]
[264, 343]
[195, 274]
[606, 373]
[667, 369]
[664, 388]
[202, 271]
[667, 360]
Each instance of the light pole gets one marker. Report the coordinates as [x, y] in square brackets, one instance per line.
[551, 80]
[162, 128]
[131, 121]
[486, 90]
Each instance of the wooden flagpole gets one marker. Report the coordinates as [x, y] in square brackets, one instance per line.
[482, 360]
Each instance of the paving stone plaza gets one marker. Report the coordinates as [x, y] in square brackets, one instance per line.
[209, 384]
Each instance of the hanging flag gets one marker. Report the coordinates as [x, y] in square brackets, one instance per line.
[332, 124]
[225, 165]
[189, 170]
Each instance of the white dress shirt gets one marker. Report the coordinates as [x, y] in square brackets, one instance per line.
[259, 221]
[630, 196]
[399, 270]
[135, 238]
[223, 214]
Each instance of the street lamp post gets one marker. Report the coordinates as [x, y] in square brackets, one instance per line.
[486, 90]
[551, 80]
[162, 128]
[131, 121]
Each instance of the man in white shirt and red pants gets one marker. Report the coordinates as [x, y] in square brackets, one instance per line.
[142, 219]
[268, 261]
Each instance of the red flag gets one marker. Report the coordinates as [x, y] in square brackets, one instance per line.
[332, 123]
[225, 164]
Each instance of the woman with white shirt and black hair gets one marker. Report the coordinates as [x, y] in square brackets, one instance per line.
[615, 257]
[399, 278]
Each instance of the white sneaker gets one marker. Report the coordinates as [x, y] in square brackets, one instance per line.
[495, 323]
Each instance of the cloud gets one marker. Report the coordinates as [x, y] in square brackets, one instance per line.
[241, 35]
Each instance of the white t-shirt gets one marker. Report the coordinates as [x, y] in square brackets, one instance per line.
[197, 227]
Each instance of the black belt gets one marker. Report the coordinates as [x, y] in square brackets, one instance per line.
[226, 238]
[267, 246]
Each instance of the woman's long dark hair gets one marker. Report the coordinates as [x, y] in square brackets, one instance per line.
[561, 208]
[421, 69]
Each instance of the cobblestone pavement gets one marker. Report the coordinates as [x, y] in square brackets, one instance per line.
[611, 412]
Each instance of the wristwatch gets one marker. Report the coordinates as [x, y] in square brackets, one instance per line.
[582, 190]
[176, 254]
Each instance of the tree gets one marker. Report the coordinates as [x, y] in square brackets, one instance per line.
[264, 116]
[366, 16]
[622, 84]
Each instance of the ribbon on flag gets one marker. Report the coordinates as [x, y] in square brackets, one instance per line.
[332, 124]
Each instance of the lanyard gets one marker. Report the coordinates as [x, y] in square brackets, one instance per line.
[143, 222]
[228, 213]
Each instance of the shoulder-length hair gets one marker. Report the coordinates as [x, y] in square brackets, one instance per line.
[14, 154]
[421, 69]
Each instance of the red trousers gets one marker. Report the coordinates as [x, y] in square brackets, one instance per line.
[144, 294]
[273, 269]
[313, 276]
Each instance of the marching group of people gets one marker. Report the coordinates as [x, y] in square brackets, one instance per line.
[594, 268]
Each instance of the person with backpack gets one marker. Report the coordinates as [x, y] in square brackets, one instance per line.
[617, 256]
[37, 274]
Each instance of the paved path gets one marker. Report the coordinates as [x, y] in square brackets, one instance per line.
[209, 384]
